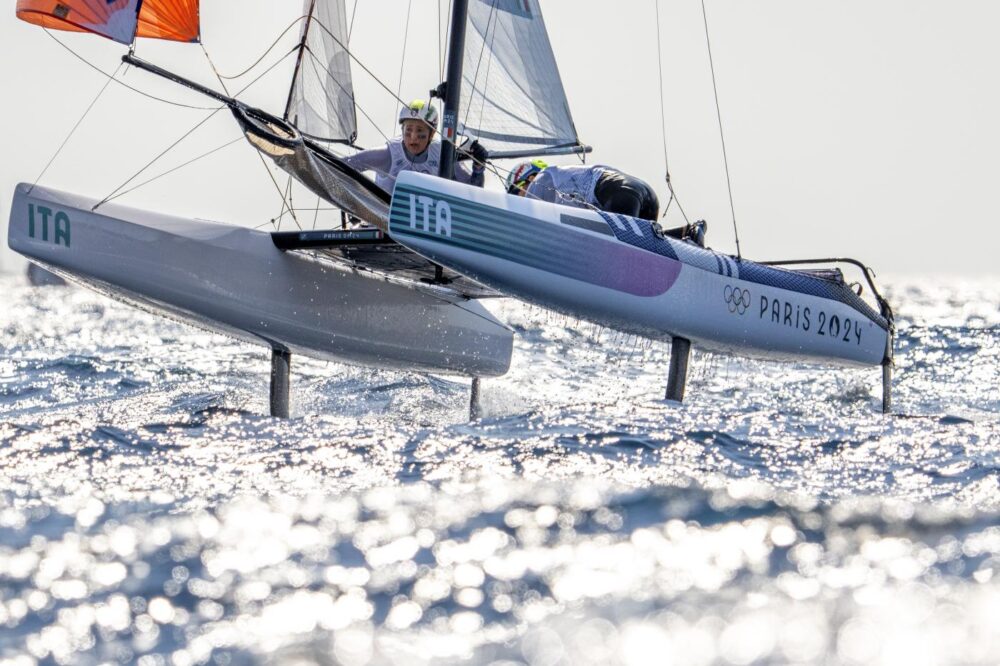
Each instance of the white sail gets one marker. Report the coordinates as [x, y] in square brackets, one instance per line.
[512, 96]
[321, 103]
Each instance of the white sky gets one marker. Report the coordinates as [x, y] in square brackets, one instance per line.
[865, 128]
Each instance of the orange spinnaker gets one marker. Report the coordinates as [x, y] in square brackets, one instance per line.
[175, 20]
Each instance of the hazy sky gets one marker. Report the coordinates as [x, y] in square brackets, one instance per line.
[865, 128]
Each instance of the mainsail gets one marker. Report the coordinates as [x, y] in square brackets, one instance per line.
[321, 103]
[120, 20]
[512, 96]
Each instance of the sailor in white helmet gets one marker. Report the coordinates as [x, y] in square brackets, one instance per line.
[416, 150]
[585, 186]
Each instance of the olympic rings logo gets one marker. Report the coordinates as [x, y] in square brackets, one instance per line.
[737, 299]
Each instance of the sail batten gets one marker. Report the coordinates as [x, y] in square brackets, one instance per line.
[120, 20]
[512, 95]
[321, 104]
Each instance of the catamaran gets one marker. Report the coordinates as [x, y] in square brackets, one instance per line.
[400, 283]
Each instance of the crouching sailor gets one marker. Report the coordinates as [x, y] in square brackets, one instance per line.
[415, 150]
[585, 186]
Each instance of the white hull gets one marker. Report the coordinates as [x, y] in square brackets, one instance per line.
[614, 271]
[232, 280]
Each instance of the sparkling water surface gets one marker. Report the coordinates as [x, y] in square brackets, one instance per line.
[151, 513]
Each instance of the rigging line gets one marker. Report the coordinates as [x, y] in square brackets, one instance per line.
[374, 77]
[278, 188]
[260, 156]
[722, 137]
[295, 83]
[77, 125]
[663, 120]
[179, 166]
[354, 12]
[447, 39]
[402, 62]
[360, 64]
[440, 48]
[486, 80]
[214, 70]
[114, 192]
[264, 224]
[286, 203]
[316, 61]
[264, 55]
[122, 83]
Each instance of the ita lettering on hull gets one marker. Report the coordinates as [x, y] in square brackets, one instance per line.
[48, 225]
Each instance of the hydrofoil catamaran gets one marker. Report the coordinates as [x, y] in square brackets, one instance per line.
[399, 283]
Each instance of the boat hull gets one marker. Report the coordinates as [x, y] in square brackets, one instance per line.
[613, 270]
[233, 280]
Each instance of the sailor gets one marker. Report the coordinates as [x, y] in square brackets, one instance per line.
[416, 150]
[584, 187]
[521, 176]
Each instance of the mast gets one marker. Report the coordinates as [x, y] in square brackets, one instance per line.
[298, 59]
[453, 87]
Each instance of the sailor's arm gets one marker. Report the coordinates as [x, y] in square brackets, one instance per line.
[378, 160]
[476, 176]
[543, 188]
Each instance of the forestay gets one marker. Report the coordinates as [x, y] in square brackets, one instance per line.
[321, 103]
[512, 96]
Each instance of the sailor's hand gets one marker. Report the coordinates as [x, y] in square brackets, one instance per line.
[479, 153]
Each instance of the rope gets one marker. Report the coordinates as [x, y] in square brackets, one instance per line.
[374, 77]
[179, 166]
[354, 12]
[486, 79]
[214, 70]
[663, 122]
[718, 111]
[115, 193]
[263, 162]
[402, 62]
[447, 36]
[122, 83]
[360, 64]
[264, 55]
[286, 203]
[314, 60]
[78, 122]
[385, 87]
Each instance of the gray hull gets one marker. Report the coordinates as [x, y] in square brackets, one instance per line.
[232, 280]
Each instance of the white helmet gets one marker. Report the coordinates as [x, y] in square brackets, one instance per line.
[419, 110]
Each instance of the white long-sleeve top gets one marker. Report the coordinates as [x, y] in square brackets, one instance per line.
[388, 161]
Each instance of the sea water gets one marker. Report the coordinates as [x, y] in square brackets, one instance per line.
[151, 513]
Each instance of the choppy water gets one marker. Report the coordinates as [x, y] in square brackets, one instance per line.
[150, 513]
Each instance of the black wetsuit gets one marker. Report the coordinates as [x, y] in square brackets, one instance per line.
[618, 192]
